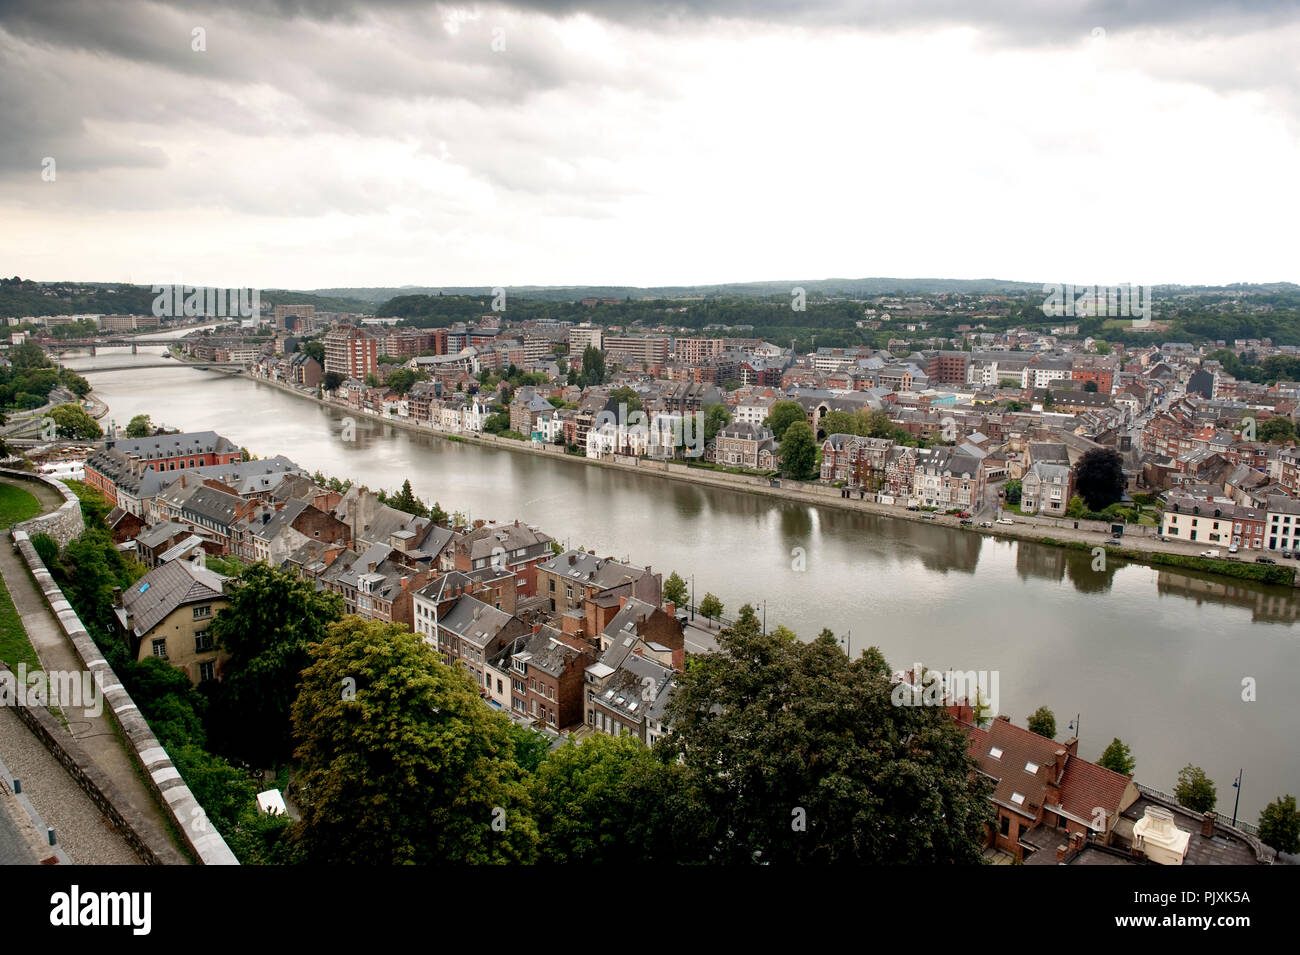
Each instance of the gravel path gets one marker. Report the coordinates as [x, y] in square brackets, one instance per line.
[78, 824]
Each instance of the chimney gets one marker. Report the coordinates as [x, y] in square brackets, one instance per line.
[1060, 852]
[1207, 824]
[404, 580]
[117, 596]
[621, 602]
[670, 608]
[1059, 760]
[573, 559]
[1076, 841]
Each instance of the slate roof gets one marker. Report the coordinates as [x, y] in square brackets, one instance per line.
[151, 598]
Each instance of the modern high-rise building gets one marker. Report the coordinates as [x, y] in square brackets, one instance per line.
[351, 352]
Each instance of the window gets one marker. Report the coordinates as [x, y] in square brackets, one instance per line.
[160, 649]
[1031, 768]
[202, 612]
[202, 642]
[1006, 826]
[995, 753]
[1018, 799]
[207, 671]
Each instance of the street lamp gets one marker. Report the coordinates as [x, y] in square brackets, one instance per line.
[764, 616]
[1236, 784]
[1074, 725]
[692, 598]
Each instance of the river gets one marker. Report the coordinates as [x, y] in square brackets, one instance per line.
[1154, 657]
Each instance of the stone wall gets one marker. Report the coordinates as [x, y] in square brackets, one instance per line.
[173, 795]
[149, 844]
[64, 524]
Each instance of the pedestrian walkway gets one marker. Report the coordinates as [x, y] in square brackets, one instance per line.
[93, 732]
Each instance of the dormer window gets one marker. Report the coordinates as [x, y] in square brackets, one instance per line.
[1031, 768]
[1018, 799]
[995, 753]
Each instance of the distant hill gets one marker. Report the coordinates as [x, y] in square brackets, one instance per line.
[21, 298]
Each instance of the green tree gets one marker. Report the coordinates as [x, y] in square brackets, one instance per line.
[609, 800]
[401, 380]
[1279, 825]
[1099, 477]
[72, 421]
[141, 426]
[675, 590]
[1043, 722]
[1276, 430]
[711, 607]
[1118, 758]
[272, 619]
[716, 417]
[593, 366]
[400, 760]
[332, 380]
[1090, 386]
[406, 501]
[782, 415]
[799, 452]
[798, 755]
[628, 396]
[1013, 490]
[76, 384]
[840, 422]
[875, 424]
[1195, 790]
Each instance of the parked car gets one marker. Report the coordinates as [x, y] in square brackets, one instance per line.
[912, 507]
[963, 513]
[986, 523]
[966, 522]
[1113, 542]
[1232, 549]
[1005, 520]
[1265, 560]
[1212, 552]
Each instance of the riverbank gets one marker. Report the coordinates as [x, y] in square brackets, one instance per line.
[1140, 544]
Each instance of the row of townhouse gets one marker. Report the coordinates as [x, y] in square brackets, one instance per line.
[1226, 524]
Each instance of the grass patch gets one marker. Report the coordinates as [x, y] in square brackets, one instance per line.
[16, 505]
[15, 648]
[1263, 573]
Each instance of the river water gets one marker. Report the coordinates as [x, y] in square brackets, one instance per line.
[1154, 657]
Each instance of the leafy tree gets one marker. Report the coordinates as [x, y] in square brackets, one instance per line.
[400, 760]
[799, 452]
[314, 350]
[798, 755]
[675, 590]
[332, 380]
[747, 617]
[76, 384]
[406, 501]
[711, 607]
[1076, 508]
[875, 424]
[1099, 477]
[72, 421]
[840, 422]
[627, 395]
[401, 380]
[1279, 825]
[716, 417]
[593, 366]
[1276, 430]
[1013, 490]
[1043, 722]
[141, 426]
[1117, 758]
[1195, 790]
[271, 620]
[782, 415]
[1090, 386]
[609, 800]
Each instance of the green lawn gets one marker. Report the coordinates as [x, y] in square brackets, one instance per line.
[15, 648]
[16, 505]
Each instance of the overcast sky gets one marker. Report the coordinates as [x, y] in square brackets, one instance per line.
[397, 143]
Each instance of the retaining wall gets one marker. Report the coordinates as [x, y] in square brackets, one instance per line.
[163, 777]
[64, 524]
